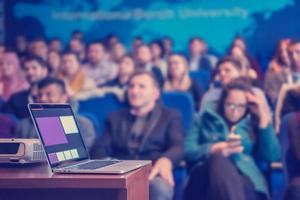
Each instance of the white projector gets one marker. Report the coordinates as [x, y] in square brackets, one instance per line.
[19, 150]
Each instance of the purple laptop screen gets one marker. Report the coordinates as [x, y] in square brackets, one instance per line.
[53, 158]
[51, 130]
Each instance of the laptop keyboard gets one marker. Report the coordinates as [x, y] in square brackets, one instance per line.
[94, 164]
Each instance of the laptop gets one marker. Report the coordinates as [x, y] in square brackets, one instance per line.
[63, 144]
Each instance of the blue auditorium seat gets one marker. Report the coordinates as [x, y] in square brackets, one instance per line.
[100, 107]
[202, 77]
[93, 119]
[183, 103]
[287, 157]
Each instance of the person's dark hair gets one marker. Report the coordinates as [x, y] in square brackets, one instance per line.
[38, 59]
[77, 34]
[111, 36]
[241, 83]
[45, 82]
[143, 72]
[168, 38]
[160, 45]
[278, 51]
[71, 53]
[138, 37]
[230, 59]
[126, 56]
[293, 42]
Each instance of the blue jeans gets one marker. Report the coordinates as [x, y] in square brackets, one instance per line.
[160, 189]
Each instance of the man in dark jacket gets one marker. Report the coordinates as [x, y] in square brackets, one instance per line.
[148, 131]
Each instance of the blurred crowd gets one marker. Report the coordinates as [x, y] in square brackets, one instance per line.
[238, 109]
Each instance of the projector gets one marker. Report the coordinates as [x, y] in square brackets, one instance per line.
[22, 151]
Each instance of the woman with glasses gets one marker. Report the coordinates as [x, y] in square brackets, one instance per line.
[223, 143]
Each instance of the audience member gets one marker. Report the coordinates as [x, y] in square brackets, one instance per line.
[126, 69]
[168, 44]
[53, 90]
[110, 41]
[228, 69]
[237, 53]
[75, 78]
[77, 34]
[199, 59]
[54, 63]
[144, 62]
[55, 44]
[288, 97]
[148, 131]
[12, 78]
[39, 48]
[77, 46]
[278, 72]
[178, 79]
[21, 46]
[117, 86]
[117, 52]
[98, 67]
[35, 69]
[238, 50]
[294, 55]
[223, 144]
[157, 51]
[136, 42]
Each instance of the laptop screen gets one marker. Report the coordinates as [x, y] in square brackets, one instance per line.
[59, 133]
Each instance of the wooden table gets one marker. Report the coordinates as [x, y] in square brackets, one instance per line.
[38, 182]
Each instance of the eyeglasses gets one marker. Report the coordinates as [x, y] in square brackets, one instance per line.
[237, 107]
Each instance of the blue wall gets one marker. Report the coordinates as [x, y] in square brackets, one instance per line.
[261, 22]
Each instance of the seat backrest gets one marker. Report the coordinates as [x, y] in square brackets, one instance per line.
[202, 77]
[287, 158]
[183, 103]
[100, 107]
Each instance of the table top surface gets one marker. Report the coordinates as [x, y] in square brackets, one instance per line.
[40, 175]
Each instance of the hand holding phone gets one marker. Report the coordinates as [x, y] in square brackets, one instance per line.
[234, 140]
